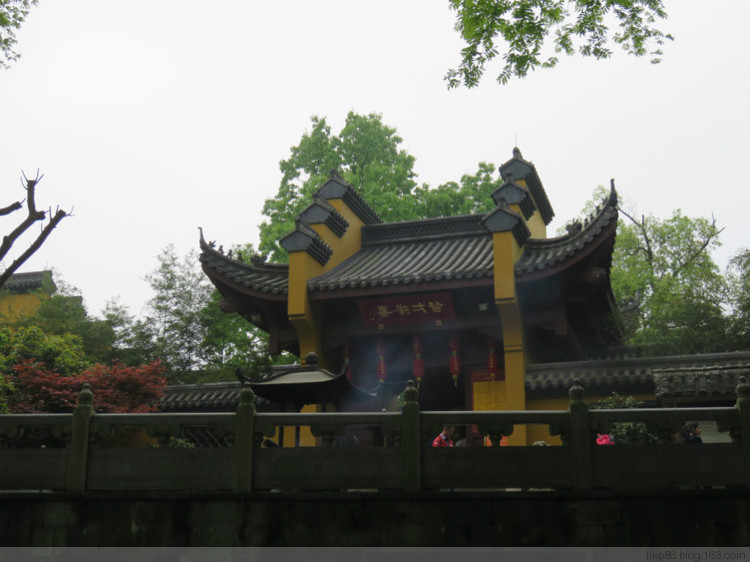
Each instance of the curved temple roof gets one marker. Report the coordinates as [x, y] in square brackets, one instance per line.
[420, 252]
[542, 255]
[256, 276]
[455, 248]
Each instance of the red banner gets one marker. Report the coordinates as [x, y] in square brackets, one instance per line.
[407, 309]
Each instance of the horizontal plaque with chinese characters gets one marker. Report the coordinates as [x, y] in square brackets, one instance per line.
[407, 309]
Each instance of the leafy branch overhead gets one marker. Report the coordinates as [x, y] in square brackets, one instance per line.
[12, 15]
[525, 29]
[33, 215]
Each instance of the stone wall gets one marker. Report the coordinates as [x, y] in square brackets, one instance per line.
[680, 518]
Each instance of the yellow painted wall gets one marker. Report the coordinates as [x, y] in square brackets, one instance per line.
[303, 267]
[14, 307]
[350, 243]
[306, 438]
[506, 251]
[489, 395]
[535, 223]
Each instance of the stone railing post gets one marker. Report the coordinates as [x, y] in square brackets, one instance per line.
[580, 438]
[410, 443]
[244, 441]
[743, 405]
[78, 449]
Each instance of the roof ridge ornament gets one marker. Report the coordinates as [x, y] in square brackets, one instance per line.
[338, 188]
[320, 211]
[333, 174]
[520, 169]
[305, 239]
[504, 219]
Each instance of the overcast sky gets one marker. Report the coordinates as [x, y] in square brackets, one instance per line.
[151, 118]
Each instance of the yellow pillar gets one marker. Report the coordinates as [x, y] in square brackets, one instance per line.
[506, 253]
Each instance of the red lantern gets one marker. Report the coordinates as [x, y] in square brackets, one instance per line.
[491, 357]
[382, 369]
[418, 365]
[454, 363]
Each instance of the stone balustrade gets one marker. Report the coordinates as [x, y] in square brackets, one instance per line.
[91, 460]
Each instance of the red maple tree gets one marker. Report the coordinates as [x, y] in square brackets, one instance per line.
[117, 388]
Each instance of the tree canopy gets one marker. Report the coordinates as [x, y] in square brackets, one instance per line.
[739, 299]
[117, 388]
[184, 328]
[669, 289]
[368, 154]
[527, 32]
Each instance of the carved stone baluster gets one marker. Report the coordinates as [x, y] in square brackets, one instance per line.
[411, 448]
[79, 440]
[244, 437]
[743, 405]
[8, 432]
[580, 438]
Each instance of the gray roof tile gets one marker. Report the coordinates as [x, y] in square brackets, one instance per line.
[270, 278]
[27, 282]
[201, 397]
[709, 374]
[539, 254]
[414, 252]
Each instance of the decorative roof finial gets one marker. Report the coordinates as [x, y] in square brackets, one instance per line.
[517, 152]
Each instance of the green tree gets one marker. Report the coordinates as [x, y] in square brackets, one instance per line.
[184, 327]
[366, 153]
[522, 30]
[473, 194]
[230, 342]
[64, 313]
[12, 15]
[666, 282]
[171, 329]
[666, 268]
[6, 388]
[739, 298]
[63, 354]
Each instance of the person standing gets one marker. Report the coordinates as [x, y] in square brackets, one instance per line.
[444, 439]
[692, 433]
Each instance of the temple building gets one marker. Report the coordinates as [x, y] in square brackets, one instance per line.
[461, 304]
[23, 293]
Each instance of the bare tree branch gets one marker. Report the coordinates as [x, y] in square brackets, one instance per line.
[10, 208]
[641, 225]
[714, 233]
[33, 215]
